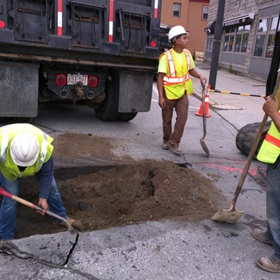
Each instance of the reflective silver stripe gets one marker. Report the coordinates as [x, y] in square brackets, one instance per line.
[172, 78]
[188, 58]
[167, 80]
[171, 64]
[44, 150]
[4, 143]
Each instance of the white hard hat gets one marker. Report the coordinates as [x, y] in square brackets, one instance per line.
[24, 149]
[176, 31]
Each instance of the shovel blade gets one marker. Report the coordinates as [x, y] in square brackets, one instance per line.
[204, 147]
[227, 216]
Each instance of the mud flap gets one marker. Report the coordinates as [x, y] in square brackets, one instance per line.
[135, 91]
[19, 85]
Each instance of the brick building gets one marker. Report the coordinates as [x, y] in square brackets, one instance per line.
[192, 14]
[248, 36]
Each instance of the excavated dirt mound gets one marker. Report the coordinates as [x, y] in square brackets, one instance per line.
[116, 195]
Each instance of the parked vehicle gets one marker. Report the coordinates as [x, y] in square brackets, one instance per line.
[104, 52]
[163, 38]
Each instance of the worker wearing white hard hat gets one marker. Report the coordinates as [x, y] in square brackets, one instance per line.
[174, 85]
[176, 31]
[26, 151]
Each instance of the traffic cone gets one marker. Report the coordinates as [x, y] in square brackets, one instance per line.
[206, 103]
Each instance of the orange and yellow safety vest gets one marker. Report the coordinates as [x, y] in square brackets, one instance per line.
[173, 77]
[270, 148]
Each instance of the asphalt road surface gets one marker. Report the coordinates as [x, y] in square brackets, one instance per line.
[166, 249]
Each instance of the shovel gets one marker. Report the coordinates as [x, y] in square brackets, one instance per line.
[37, 208]
[202, 143]
[232, 215]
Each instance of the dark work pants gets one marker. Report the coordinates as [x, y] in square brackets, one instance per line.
[181, 107]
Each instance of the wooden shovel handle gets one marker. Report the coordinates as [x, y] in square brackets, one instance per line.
[29, 204]
[16, 198]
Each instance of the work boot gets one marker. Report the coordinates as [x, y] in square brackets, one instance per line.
[175, 149]
[164, 145]
[261, 235]
[269, 264]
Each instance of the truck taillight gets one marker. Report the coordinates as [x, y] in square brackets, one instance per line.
[2, 24]
[92, 81]
[153, 44]
[60, 80]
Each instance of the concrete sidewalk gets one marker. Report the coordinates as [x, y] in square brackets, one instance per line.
[248, 108]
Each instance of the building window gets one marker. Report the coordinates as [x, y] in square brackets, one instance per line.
[205, 12]
[260, 37]
[236, 38]
[176, 10]
[229, 39]
[271, 37]
[241, 40]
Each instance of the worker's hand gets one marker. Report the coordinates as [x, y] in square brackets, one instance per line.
[202, 79]
[161, 102]
[44, 205]
[270, 106]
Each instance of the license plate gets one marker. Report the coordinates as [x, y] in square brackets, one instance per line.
[76, 78]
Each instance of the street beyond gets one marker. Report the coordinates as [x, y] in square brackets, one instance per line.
[182, 245]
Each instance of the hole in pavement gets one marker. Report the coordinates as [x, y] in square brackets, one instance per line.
[111, 196]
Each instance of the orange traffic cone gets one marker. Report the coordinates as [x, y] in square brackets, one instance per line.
[206, 104]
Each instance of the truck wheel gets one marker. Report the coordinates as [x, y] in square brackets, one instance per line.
[125, 117]
[246, 136]
[108, 110]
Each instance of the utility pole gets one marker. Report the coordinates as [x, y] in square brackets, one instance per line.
[275, 61]
[216, 44]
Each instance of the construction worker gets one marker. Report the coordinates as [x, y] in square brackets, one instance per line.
[25, 151]
[174, 85]
[270, 153]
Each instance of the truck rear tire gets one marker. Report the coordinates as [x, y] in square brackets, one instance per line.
[108, 110]
[246, 136]
[125, 117]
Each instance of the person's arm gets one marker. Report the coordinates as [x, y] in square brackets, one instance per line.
[44, 177]
[195, 74]
[270, 107]
[161, 101]
[161, 73]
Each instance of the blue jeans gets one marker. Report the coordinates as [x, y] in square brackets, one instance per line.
[8, 206]
[273, 206]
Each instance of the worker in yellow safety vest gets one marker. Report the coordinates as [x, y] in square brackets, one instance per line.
[25, 150]
[269, 153]
[174, 85]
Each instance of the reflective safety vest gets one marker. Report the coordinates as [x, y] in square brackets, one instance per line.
[270, 148]
[7, 167]
[173, 78]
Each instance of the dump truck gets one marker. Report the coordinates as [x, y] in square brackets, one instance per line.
[103, 53]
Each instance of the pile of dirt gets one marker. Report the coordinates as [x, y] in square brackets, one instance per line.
[110, 196]
[142, 191]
